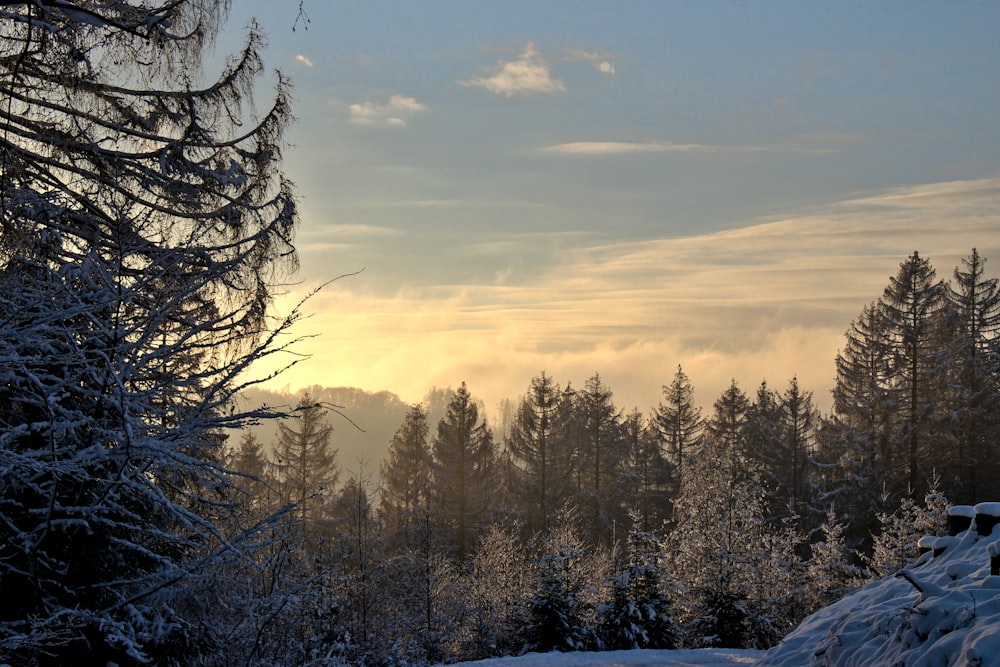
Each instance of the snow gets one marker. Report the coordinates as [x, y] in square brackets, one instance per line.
[708, 657]
[988, 509]
[967, 511]
[942, 610]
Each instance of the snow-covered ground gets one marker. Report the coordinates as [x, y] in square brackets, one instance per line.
[646, 658]
[940, 611]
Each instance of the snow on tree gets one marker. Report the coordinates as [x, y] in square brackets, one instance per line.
[896, 543]
[566, 592]
[723, 550]
[639, 613]
[499, 591]
[830, 573]
[145, 222]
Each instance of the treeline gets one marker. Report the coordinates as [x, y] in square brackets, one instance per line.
[583, 526]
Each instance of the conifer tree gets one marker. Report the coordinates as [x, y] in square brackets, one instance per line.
[975, 383]
[782, 429]
[406, 479]
[305, 465]
[144, 222]
[535, 445]
[464, 469]
[914, 308]
[830, 573]
[679, 421]
[601, 448]
[639, 613]
[646, 479]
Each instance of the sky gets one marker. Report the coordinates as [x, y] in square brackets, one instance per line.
[622, 187]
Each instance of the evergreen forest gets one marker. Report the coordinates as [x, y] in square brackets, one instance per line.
[147, 228]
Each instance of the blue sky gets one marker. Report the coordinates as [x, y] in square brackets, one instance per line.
[624, 187]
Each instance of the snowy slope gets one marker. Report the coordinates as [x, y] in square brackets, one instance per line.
[646, 658]
[954, 621]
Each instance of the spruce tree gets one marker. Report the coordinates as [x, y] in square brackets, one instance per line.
[679, 421]
[464, 470]
[914, 308]
[601, 456]
[406, 479]
[975, 394]
[305, 465]
[534, 442]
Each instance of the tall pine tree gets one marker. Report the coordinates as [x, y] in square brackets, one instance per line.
[464, 470]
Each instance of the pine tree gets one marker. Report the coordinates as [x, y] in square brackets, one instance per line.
[353, 561]
[535, 443]
[144, 222]
[764, 444]
[499, 591]
[646, 479]
[721, 534]
[406, 479]
[975, 390]
[915, 310]
[782, 429]
[639, 613]
[559, 611]
[252, 482]
[601, 448]
[464, 468]
[305, 466]
[854, 443]
[830, 573]
[895, 545]
[679, 421]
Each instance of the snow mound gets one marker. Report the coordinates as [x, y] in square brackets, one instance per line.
[941, 610]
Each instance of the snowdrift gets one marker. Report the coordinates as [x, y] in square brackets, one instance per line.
[944, 609]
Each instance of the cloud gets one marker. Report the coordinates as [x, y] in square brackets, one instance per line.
[304, 60]
[528, 73]
[390, 114]
[602, 62]
[596, 148]
[768, 300]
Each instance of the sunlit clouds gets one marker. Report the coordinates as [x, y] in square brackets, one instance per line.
[391, 114]
[530, 72]
[304, 60]
[767, 301]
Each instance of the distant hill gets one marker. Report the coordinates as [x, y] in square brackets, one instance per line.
[363, 422]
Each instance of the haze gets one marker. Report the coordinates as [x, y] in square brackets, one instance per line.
[622, 188]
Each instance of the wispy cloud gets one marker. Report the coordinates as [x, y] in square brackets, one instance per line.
[769, 300]
[304, 60]
[341, 230]
[602, 62]
[391, 113]
[530, 72]
[597, 148]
